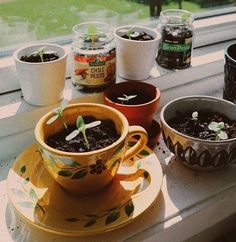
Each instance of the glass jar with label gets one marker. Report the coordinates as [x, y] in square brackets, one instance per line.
[176, 43]
[94, 55]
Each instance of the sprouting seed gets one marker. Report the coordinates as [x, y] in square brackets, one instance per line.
[126, 98]
[218, 129]
[81, 127]
[41, 51]
[58, 113]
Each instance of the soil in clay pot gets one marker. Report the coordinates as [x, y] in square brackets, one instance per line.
[98, 137]
[143, 36]
[132, 98]
[205, 125]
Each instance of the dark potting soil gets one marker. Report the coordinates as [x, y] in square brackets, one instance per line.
[141, 98]
[36, 58]
[199, 128]
[175, 47]
[141, 37]
[98, 137]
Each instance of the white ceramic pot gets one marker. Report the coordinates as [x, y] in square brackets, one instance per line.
[41, 83]
[135, 59]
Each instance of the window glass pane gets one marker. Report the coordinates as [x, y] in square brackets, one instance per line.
[29, 20]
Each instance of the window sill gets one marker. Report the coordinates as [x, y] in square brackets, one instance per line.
[207, 65]
[191, 204]
[215, 29]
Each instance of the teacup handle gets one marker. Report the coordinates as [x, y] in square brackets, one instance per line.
[136, 130]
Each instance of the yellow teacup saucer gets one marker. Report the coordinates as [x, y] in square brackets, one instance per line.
[43, 203]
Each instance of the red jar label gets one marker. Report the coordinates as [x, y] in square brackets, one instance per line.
[94, 69]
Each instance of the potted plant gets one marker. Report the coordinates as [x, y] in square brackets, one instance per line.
[94, 64]
[200, 131]
[136, 51]
[82, 145]
[41, 69]
[138, 101]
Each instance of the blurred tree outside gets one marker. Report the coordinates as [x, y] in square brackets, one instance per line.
[47, 19]
[155, 7]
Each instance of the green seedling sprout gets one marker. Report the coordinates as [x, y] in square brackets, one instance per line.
[41, 51]
[133, 34]
[185, 17]
[126, 98]
[218, 129]
[195, 116]
[92, 33]
[130, 33]
[58, 114]
[81, 127]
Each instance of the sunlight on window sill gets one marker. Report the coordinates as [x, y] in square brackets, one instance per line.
[207, 58]
[9, 110]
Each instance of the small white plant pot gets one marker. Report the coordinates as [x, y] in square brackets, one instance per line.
[135, 59]
[41, 83]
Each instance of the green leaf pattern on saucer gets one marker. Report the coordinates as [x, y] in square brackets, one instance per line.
[111, 215]
[39, 199]
[74, 170]
[26, 193]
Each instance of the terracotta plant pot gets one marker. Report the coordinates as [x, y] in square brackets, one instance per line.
[139, 114]
[73, 170]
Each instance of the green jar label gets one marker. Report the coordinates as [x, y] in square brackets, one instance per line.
[176, 47]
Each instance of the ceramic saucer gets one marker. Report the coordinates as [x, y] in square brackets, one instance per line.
[43, 203]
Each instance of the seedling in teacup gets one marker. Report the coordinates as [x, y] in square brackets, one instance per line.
[81, 127]
[195, 117]
[218, 129]
[58, 114]
[126, 98]
[41, 51]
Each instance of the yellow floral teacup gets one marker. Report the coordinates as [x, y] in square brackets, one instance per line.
[87, 172]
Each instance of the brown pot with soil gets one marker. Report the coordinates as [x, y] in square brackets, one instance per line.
[138, 101]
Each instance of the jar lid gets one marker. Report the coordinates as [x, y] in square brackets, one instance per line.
[176, 17]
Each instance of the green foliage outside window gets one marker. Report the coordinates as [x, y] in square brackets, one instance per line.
[57, 17]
